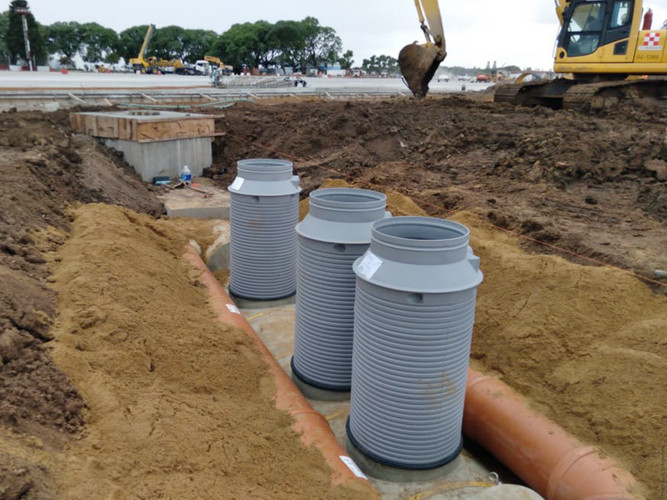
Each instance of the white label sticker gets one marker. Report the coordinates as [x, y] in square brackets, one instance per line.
[369, 265]
[233, 309]
[352, 466]
[238, 182]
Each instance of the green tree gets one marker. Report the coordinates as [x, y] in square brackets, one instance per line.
[248, 44]
[380, 64]
[15, 40]
[63, 38]
[370, 65]
[322, 45]
[198, 43]
[4, 50]
[97, 42]
[346, 60]
[168, 43]
[289, 37]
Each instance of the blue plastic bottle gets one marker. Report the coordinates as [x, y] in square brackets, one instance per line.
[186, 175]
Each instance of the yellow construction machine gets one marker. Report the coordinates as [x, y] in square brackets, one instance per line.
[607, 51]
[140, 63]
[222, 67]
[153, 64]
[419, 62]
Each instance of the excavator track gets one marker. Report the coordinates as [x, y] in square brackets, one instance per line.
[608, 95]
[573, 94]
[506, 93]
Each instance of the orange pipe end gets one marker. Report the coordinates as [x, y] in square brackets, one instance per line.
[310, 424]
[548, 459]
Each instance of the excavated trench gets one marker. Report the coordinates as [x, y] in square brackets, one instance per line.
[133, 391]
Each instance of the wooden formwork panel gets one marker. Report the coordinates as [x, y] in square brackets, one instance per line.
[187, 128]
[128, 128]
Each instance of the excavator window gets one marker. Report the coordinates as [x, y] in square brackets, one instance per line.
[621, 14]
[584, 29]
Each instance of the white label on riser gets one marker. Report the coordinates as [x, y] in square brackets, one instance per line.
[238, 182]
[369, 265]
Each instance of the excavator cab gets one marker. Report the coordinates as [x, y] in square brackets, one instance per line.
[419, 62]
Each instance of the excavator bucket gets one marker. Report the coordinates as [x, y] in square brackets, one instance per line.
[418, 64]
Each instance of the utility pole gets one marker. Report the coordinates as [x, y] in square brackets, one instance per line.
[23, 12]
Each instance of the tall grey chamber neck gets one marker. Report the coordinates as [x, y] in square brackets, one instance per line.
[413, 317]
[420, 254]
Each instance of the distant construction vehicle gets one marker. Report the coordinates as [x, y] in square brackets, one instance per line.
[149, 65]
[140, 63]
[218, 64]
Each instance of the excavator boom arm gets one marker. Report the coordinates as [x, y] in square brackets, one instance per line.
[147, 40]
[429, 9]
[140, 60]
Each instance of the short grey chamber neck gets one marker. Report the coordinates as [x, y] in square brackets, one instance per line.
[347, 205]
[420, 240]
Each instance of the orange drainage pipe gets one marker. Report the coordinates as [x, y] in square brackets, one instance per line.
[547, 458]
[310, 424]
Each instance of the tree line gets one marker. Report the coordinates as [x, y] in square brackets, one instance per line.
[296, 44]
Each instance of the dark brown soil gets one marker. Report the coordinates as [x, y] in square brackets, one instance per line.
[593, 184]
[43, 170]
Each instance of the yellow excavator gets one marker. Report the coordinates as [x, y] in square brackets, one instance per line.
[419, 62]
[607, 51]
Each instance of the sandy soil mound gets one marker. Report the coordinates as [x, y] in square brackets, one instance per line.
[179, 405]
[586, 345]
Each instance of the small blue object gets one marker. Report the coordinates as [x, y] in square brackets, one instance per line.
[161, 180]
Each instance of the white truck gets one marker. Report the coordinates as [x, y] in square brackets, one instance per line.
[202, 67]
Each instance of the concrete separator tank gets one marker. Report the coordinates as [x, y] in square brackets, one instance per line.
[336, 231]
[416, 290]
[264, 210]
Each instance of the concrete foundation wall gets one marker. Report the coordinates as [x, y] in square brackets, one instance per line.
[165, 158]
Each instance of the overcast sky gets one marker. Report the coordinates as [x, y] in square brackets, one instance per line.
[520, 32]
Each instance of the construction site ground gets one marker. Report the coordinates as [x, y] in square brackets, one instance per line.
[117, 381]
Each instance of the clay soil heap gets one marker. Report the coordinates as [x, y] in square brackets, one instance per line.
[127, 396]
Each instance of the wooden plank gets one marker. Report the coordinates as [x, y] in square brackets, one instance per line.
[129, 128]
[171, 130]
[105, 126]
[75, 121]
